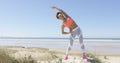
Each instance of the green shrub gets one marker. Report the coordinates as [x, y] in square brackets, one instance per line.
[94, 58]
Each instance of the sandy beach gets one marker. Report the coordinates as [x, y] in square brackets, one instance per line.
[45, 55]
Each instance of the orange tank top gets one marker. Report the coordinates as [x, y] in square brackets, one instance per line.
[68, 22]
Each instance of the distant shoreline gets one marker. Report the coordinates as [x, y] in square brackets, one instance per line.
[57, 38]
[62, 39]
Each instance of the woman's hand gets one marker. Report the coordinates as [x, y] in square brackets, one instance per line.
[54, 7]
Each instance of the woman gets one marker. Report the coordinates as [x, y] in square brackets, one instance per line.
[74, 30]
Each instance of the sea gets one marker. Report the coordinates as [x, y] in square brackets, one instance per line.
[97, 45]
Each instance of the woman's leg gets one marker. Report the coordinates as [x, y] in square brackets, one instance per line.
[69, 46]
[82, 44]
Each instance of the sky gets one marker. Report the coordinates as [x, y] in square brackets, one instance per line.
[35, 18]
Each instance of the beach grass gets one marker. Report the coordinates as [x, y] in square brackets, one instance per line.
[33, 55]
[6, 58]
[25, 60]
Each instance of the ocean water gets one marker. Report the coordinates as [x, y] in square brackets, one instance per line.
[95, 45]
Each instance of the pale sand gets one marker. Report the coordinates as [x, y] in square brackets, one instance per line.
[43, 55]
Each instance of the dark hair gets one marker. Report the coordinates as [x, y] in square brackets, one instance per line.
[58, 14]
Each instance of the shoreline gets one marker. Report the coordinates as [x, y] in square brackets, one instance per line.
[98, 50]
[64, 50]
[66, 40]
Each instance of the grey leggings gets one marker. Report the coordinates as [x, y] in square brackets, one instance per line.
[76, 32]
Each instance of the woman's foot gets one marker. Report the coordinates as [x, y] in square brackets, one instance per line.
[66, 57]
[84, 58]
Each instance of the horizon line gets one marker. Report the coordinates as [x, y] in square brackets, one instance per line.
[53, 38]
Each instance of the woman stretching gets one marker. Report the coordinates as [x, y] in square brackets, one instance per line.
[74, 31]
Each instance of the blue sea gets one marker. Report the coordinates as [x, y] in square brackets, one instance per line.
[106, 45]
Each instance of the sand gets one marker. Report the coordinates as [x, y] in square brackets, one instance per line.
[44, 55]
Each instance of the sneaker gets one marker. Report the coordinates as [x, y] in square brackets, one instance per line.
[84, 58]
[66, 57]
